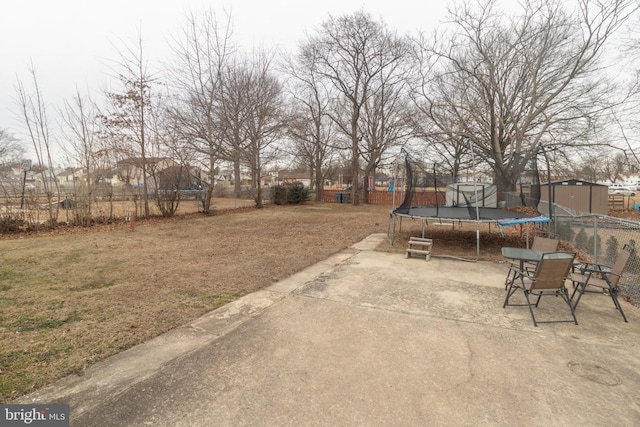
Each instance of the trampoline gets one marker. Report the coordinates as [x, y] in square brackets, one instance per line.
[471, 205]
[458, 213]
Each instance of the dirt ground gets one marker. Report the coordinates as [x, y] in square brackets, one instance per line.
[74, 296]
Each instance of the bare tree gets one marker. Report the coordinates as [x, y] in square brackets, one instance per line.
[202, 49]
[308, 124]
[235, 112]
[436, 117]
[105, 161]
[384, 123]
[169, 170]
[614, 167]
[11, 150]
[513, 83]
[350, 52]
[627, 72]
[264, 124]
[310, 127]
[82, 144]
[126, 120]
[34, 112]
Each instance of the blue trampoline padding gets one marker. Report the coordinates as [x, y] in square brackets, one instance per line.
[541, 218]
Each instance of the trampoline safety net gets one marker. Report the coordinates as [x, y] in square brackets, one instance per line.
[423, 187]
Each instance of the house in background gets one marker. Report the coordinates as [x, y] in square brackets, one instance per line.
[71, 178]
[180, 178]
[107, 177]
[267, 181]
[130, 171]
[294, 177]
[47, 176]
[227, 177]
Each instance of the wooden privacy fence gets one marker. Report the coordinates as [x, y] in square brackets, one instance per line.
[617, 201]
[427, 198]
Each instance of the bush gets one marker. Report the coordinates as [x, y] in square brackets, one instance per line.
[279, 195]
[565, 231]
[294, 194]
[582, 241]
[591, 245]
[297, 193]
[612, 250]
[634, 259]
[11, 225]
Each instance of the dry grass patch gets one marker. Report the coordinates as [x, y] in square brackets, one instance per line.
[68, 300]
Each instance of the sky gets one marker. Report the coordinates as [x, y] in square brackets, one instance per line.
[71, 42]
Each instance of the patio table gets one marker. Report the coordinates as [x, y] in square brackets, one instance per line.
[522, 255]
[526, 255]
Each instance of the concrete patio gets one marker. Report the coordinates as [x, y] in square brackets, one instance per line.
[372, 338]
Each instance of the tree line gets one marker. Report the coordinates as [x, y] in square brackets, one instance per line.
[355, 92]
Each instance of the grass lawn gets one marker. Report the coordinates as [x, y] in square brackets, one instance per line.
[73, 297]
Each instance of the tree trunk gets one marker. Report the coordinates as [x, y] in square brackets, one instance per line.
[237, 187]
[208, 195]
[319, 182]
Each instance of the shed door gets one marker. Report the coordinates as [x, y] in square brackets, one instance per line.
[565, 196]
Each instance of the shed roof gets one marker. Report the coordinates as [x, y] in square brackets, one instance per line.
[574, 182]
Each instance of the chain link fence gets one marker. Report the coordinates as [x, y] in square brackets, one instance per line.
[599, 238]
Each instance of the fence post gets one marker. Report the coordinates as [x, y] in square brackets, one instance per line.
[131, 219]
[595, 239]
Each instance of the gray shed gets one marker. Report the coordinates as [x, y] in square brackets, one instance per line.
[579, 196]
